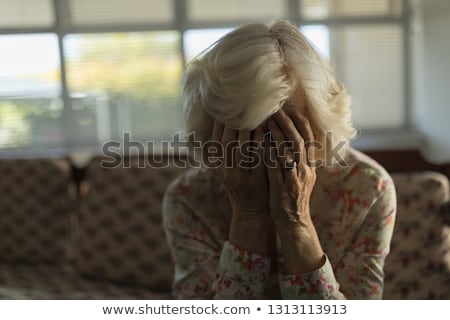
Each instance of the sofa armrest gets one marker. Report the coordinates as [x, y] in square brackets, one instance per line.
[418, 266]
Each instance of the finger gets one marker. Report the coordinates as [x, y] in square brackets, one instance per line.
[304, 127]
[216, 140]
[291, 133]
[217, 132]
[242, 150]
[258, 142]
[229, 139]
[290, 163]
[284, 146]
[264, 127]
[279, 148]
[271, 163]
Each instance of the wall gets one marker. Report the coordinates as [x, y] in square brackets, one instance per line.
[432, 111]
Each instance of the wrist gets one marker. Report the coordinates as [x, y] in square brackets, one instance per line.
[301, 249]
[293, 223]
[249, 233]
[250, 212]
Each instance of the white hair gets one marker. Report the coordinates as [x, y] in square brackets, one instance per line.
[254, 71]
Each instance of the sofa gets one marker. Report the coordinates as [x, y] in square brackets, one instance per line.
[95, 232]
[98, 238]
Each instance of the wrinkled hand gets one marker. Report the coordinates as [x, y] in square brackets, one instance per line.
[292, 177]
[289, 169]
[241, 170]
[246, 184]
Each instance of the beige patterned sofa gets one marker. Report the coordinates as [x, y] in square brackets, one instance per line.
[106, 241]
[108, 244]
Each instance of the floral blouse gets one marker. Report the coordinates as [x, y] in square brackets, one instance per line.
[353, 209]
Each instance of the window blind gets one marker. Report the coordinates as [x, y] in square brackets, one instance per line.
[120, 12]
[320, 9]
[369, 61]
[26, 13]
[232, 10]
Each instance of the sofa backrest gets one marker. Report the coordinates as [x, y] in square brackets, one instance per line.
[418, 266]
[35, 209]
[119, 226]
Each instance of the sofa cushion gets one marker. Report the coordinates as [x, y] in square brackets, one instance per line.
[35, 207]
[119, 230]
[418, 266]
[20, 281]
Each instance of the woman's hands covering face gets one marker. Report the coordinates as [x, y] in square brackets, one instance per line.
[279, 178]
[263, 174]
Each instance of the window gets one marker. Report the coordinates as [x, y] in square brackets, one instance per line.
[30, 104]
[123, 82]
[77, 73]
[197, 40]
[365, 43]
[368, 60]
[319, 35]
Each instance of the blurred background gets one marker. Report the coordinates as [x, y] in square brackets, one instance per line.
[77, 73]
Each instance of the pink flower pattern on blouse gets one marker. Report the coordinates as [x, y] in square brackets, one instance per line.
[353, 209]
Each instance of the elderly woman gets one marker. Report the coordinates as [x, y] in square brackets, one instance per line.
[282, 206]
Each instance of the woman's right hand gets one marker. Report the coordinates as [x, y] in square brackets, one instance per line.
[241, 170]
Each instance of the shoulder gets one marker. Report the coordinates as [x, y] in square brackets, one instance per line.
[192, 193]
[372, 180]
[364, 171]
[177, 209]
[195, 204]
[192, 182]
[360, 176]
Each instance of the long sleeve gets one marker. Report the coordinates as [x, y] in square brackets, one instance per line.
[319, 284]
[241, 274]
[359, 273]
[205, 266]
[361, 270]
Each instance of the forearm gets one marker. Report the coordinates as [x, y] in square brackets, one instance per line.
[249, 233]
[301, 248]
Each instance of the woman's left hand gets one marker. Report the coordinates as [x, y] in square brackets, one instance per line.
[292, 176]
[290, 168]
